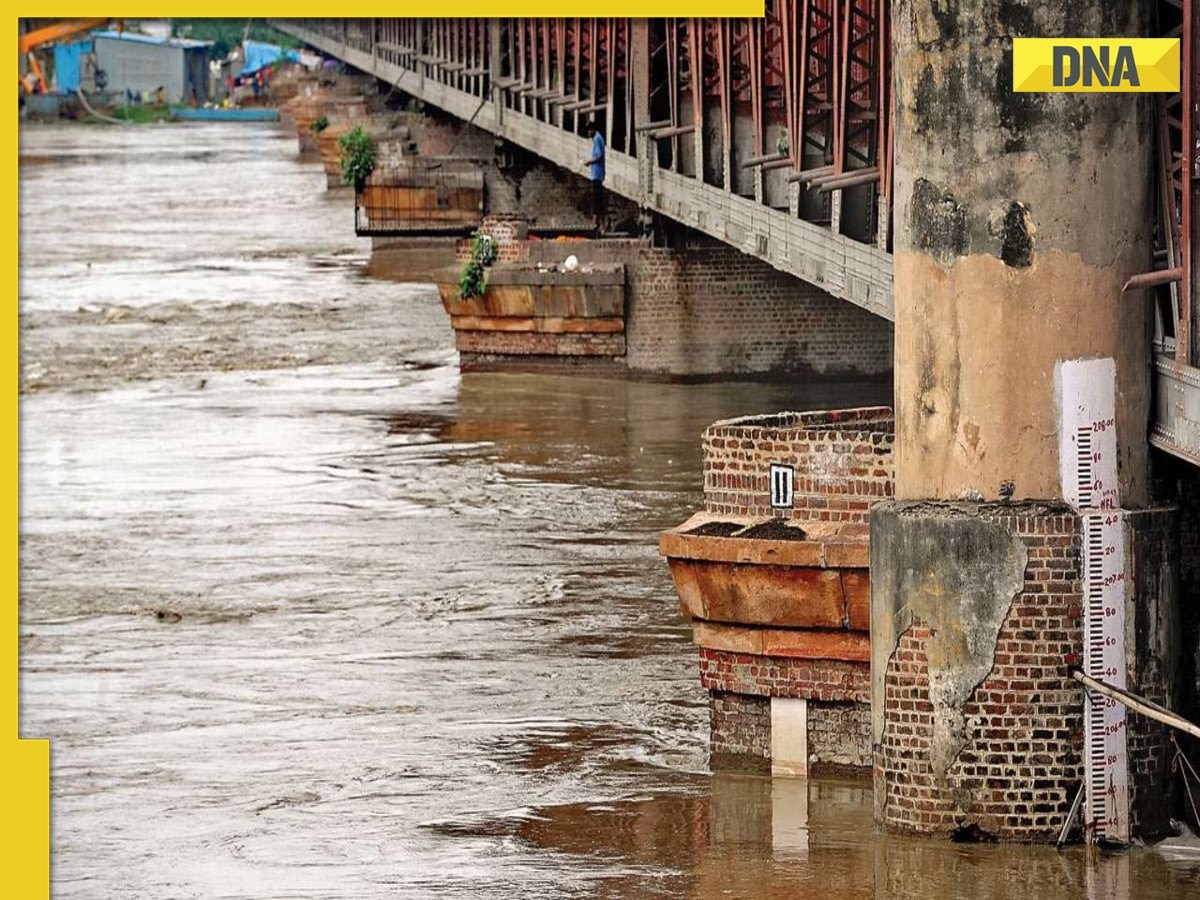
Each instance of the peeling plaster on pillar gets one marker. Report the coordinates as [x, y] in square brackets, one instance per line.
[956, 573]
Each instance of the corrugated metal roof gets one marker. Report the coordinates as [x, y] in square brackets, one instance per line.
[184, 43]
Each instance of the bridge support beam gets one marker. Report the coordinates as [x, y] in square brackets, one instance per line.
[1019, 218]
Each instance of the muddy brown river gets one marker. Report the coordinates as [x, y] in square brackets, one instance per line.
[306, 613]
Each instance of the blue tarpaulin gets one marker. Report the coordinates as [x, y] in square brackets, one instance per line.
[260, 55]
[68, 61]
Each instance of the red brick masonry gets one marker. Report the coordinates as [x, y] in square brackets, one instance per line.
[842, 461]
[786, 618]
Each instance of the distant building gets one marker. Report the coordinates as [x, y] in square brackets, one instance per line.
[142, 64]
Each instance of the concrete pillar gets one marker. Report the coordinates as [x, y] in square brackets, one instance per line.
[1018, 218]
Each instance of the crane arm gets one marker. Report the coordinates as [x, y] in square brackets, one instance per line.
[56, 32]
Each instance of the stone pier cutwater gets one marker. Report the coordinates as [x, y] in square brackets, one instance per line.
[774, 575]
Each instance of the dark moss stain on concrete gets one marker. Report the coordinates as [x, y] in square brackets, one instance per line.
[949, 21]
[1016, 246]
[1016, 113]
[940, 106]
[1015, 18]
[938, 223]
[924, 100]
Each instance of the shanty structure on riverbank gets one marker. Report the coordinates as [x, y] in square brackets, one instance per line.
[140, 64]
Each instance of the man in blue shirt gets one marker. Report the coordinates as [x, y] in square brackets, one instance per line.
[596, 174]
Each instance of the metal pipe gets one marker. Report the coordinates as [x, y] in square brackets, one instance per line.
[672, 132]
[1153, 279]
[1062, 835]
[848, 179]
[653, 126]
[1147, 708]
[810, 174]
[767, 158]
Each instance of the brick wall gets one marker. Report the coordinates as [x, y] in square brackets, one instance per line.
[780, 676]
[1011, 753]
[1021, 762]
[839, 731]
[839, 735]
[510, 234]
[842, 461]
[437, 134]
[740, 732]
[529, 343]
[707, 309]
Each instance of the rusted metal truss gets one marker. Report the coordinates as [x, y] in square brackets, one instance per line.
[1178, 142]
[1175, 423]
[783, 109]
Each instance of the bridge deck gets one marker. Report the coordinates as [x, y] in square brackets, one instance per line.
[847, 268]
[733, 91]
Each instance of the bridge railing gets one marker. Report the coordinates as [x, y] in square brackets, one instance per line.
[770, 134]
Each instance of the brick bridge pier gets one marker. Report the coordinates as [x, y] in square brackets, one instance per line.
[847, 188]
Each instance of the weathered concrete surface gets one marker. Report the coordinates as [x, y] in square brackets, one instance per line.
[958, 574]
[1018, 219]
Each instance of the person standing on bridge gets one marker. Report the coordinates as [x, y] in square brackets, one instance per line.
[595, 167]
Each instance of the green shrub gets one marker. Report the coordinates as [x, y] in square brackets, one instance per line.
[358, 157]
[319, 124]
[473, 282]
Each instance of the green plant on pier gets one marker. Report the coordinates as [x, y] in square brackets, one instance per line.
[319, 124]
[358, 157]
[473, 282]
[781, 145]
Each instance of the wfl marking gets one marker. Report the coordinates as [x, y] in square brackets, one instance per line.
[1107, 788]
[1088, 456]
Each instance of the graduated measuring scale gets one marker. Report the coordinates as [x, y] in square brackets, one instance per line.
[1088, 458]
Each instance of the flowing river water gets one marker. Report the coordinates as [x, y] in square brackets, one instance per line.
[307, 613]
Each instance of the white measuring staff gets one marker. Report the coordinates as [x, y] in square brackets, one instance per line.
[1088, 460]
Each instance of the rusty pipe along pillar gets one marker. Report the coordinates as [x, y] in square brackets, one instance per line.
[1018, 219]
